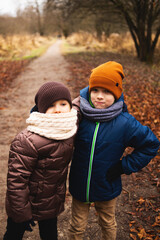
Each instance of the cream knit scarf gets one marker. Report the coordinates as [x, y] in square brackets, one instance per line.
[57, 126]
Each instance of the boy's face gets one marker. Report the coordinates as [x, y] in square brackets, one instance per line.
[101, 97]
[59, 106]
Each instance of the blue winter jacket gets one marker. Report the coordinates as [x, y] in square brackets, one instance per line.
[99, 146]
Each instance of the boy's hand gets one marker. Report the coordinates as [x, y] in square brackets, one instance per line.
[114, 172]
[29, 224]
[23, 226]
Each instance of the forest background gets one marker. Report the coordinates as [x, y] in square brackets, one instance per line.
[94, 32]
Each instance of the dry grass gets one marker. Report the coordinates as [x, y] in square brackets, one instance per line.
[19, 46]
[118, 43]
[115, 42]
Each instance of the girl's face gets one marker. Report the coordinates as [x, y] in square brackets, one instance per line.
[101, 97]
[59, 106]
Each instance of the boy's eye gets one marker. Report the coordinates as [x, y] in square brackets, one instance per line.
[63, 104]
[106, 91]
[95, 90]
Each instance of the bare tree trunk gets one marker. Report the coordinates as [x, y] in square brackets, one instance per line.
[140, 19]
[39, 20]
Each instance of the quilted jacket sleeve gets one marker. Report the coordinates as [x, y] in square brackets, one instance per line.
[145, 145]
[22, 160]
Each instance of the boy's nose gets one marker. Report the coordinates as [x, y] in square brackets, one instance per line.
[100, 95]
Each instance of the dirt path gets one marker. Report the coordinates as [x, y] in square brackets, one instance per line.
[15, 104]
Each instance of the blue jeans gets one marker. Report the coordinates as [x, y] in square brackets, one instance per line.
[47, 230]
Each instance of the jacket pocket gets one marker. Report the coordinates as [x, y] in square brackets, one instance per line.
[116, 185]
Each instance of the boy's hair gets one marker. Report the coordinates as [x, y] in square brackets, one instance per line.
[109, 76]
[49, 93]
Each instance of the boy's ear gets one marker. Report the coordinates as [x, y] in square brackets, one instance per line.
[90, 101]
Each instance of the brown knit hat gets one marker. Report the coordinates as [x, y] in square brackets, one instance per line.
[49, 93]
[109, 76]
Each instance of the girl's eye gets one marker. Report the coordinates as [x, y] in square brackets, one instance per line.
[63, 104]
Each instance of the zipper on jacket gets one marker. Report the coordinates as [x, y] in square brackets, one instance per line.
[91, 160]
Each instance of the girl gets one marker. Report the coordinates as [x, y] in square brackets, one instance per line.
[38, 164]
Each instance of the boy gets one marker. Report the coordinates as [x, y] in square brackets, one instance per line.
[38, 164]
[105, 131]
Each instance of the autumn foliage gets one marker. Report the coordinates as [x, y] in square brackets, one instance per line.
[9, 70]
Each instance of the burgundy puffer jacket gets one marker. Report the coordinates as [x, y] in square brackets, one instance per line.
[36, 180]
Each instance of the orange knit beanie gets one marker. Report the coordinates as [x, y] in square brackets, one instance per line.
[109, 76]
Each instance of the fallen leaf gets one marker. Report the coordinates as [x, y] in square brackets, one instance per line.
[142, 233]
[133, 236]
[141, 200]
